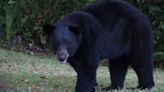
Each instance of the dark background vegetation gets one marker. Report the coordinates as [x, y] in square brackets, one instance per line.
[21, 22]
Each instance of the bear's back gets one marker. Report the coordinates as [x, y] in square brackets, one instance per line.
[111, 10]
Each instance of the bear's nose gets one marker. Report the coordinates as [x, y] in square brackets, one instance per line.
[62, 56]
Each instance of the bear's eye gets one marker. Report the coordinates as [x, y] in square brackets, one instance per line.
[75, 30]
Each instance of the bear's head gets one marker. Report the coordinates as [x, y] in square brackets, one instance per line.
[73, 31]
[64, 39]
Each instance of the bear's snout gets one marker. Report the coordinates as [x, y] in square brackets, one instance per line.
[62, 56]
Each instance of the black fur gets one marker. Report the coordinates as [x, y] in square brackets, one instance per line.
[108, 29]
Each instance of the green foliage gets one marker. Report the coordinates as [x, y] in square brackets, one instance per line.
[159, 57]
[25, 17]
[91, 1]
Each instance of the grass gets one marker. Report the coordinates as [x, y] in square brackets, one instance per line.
[20, 72]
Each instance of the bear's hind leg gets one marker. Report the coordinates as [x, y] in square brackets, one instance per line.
[145, 76]
[141, 62]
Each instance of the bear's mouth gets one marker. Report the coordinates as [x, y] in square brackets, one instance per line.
[65, 61]
[63, 56]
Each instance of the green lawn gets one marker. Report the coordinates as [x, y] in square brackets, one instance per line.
[21, 72]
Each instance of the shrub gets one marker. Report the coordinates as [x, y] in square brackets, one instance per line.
[24, 17]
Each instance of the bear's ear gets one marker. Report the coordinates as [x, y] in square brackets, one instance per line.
[74, 26]
[48, 28]
[75, 29]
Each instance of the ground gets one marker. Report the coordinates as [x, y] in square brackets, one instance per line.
[27, 73]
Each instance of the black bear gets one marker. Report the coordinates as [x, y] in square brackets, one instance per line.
[110, 29]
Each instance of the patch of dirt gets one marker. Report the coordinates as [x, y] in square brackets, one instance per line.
[20, 45]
